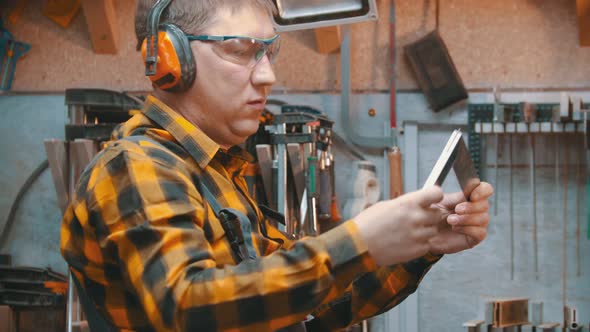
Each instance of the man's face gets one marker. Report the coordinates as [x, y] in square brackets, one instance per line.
[227, 97]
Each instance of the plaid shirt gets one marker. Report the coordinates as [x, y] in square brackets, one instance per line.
[152, 255]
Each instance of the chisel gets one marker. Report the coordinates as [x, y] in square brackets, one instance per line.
[499, 117]
[511, 209]
[530, 117]
[564, 219]
[578, 198]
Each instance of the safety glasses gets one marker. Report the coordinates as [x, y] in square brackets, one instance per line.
[245, 51]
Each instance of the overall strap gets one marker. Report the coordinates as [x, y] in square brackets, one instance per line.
[96, 322]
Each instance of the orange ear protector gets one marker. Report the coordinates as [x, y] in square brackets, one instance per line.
[166, 51]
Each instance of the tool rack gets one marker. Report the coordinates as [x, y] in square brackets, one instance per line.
[481, 122]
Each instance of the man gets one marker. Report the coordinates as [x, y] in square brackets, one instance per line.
[147, 245]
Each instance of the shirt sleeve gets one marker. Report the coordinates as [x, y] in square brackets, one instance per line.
[371, 293]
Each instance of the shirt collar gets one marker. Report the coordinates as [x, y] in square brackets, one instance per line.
[200, 146]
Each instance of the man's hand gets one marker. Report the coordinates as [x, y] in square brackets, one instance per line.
[464, 224]
[400, 230]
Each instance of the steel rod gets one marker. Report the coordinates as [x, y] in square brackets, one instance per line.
[564, 233]
[511, 211]
[534, 207]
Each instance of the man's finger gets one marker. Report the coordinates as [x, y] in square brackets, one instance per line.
[476, 219]
[430, 216]
[482, 192]
[472, 207]
[451, 200]
[474, 234]
[425, 233]
[429, 196]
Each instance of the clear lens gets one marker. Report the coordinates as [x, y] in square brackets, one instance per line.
[246, 51]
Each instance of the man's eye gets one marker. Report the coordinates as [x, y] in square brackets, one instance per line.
[245, 53]
[241, 51]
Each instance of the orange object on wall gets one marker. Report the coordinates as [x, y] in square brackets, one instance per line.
[62, 12]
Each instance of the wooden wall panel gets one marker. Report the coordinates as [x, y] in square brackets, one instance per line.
[518, 44]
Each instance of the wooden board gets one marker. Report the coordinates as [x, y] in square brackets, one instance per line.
[583, 11]
[101, 20]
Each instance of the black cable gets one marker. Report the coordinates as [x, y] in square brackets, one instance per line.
[22, 191]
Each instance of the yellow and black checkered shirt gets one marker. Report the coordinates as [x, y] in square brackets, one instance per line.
[152, 256]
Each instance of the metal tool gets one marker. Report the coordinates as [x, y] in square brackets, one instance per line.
[564, 220]
[499, 117]
[265, 161]
[586, 126]
[504, 118]
[511, 207]
[578, 198]
[570, 318]
[530, 117]
[279, 176]
[310, 223]
[303, 135]
[325, 183]
[10, 51]
[297, 163]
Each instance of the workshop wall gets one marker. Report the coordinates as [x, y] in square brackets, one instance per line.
[508, 43]
[512, 44]
[453, 292]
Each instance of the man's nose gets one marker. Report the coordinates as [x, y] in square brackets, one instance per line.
[262, 73]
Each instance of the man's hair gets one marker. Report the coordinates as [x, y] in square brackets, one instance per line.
[192, 16]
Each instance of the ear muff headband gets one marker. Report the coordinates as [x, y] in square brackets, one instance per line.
[153, 21]
[166, 50]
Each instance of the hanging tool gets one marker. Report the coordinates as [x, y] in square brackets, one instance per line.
[530, 116]
[10, 51]
[511, 207]
[500, 119]
[279, 176]
[570, 318]
[394, 156]
[265, 163]
[310, 220]
[579, 187]
[563, 115]
[564, 219]
[578, 117]
[506, 117]
[301, 134]
[325, 183]
[336, 217]
[587, 147]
